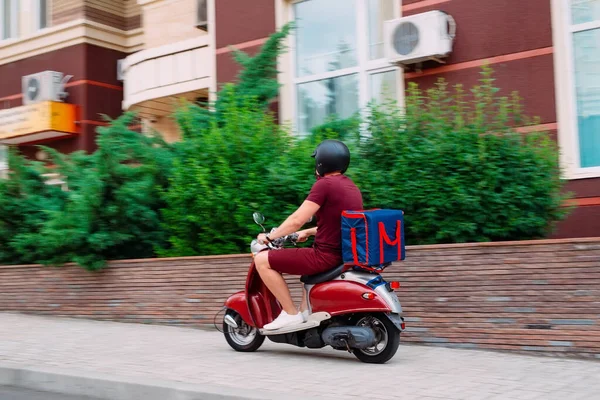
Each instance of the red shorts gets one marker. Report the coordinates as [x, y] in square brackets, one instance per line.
[303, 261]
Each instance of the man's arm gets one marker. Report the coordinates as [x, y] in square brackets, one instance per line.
[310, 231]
[296, 220]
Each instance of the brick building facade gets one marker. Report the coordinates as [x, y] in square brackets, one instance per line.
[82, 39]
[546, 50]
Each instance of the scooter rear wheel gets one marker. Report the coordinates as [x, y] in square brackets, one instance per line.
[244, 338]
[388, 340]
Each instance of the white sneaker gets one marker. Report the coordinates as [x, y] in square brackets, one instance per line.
[305, 315]
[284, 319]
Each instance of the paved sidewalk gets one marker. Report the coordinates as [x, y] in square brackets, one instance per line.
[9, 393]
[201, 357]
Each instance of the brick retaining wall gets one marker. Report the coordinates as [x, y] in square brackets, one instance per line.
[535, 296]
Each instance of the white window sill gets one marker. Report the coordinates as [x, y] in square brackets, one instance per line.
[583, 173]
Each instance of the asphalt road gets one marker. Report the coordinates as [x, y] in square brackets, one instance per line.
[13, 393]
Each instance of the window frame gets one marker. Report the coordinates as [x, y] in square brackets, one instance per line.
[202, 7]
[566, 91]
[4, 155]
[364, 69]
[14, 26]
[37, 14]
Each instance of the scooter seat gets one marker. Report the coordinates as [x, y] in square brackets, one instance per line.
[323, 276]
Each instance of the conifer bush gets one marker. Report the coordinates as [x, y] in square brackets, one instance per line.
[110, 211]
[458, 168]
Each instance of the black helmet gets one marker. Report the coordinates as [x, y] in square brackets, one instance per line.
[331, 156]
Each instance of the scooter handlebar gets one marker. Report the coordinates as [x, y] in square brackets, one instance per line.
[293, 238]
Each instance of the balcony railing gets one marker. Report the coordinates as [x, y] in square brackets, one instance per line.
[167, 70]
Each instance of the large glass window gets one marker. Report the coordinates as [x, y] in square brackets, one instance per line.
[339, 64]
[383, 86]
[585, 39]
[379, 11]
[8, 18]
[319, 99]
[42, 14]
[583, 11]
[326, 37]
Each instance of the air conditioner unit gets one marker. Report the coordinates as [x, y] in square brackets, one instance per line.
[419, 37]
[44, 86]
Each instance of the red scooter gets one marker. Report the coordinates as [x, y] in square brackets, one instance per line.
[350, 309]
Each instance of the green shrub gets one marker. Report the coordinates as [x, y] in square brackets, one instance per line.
[234, 160]
[256, 82]
[112, 210]
[26, 204]
[223, 175]
[453, 163]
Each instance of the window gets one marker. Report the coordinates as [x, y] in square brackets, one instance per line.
[41, 13]
[9, 16]
[585, 37]
[577, 33]
[338, 59]
[3, 161]
[202, 14]
[383, 86]
[379, 11]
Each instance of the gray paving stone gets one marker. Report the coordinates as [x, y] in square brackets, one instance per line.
[12, 393]
[203, 357]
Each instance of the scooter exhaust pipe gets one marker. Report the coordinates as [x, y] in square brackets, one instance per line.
[353, 337]
[230, 321]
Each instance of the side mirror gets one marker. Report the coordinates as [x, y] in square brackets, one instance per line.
[258, 218]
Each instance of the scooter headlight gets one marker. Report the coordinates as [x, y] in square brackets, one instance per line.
[256, 247]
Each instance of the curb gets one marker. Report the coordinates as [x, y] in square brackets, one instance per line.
[106, 387]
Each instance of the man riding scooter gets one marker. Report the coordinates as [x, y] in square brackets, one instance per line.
[331, 194]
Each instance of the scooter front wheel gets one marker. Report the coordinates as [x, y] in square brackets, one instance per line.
[388, 340]
[244, 337]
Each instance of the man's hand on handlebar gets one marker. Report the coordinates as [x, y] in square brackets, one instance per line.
[303, 236]
[279, 242]
[262, 238]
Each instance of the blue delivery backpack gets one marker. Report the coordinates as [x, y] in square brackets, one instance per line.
[372, 239]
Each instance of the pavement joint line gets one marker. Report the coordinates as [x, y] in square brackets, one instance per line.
[108, 387]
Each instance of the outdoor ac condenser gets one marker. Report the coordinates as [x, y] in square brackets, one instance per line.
[419, 37]
[43, 86]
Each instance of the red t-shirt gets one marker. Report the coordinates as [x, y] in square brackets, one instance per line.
[335, 194]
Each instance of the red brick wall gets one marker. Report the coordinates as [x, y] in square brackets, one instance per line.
[491, 28]
[240, 22]
[539, 296]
